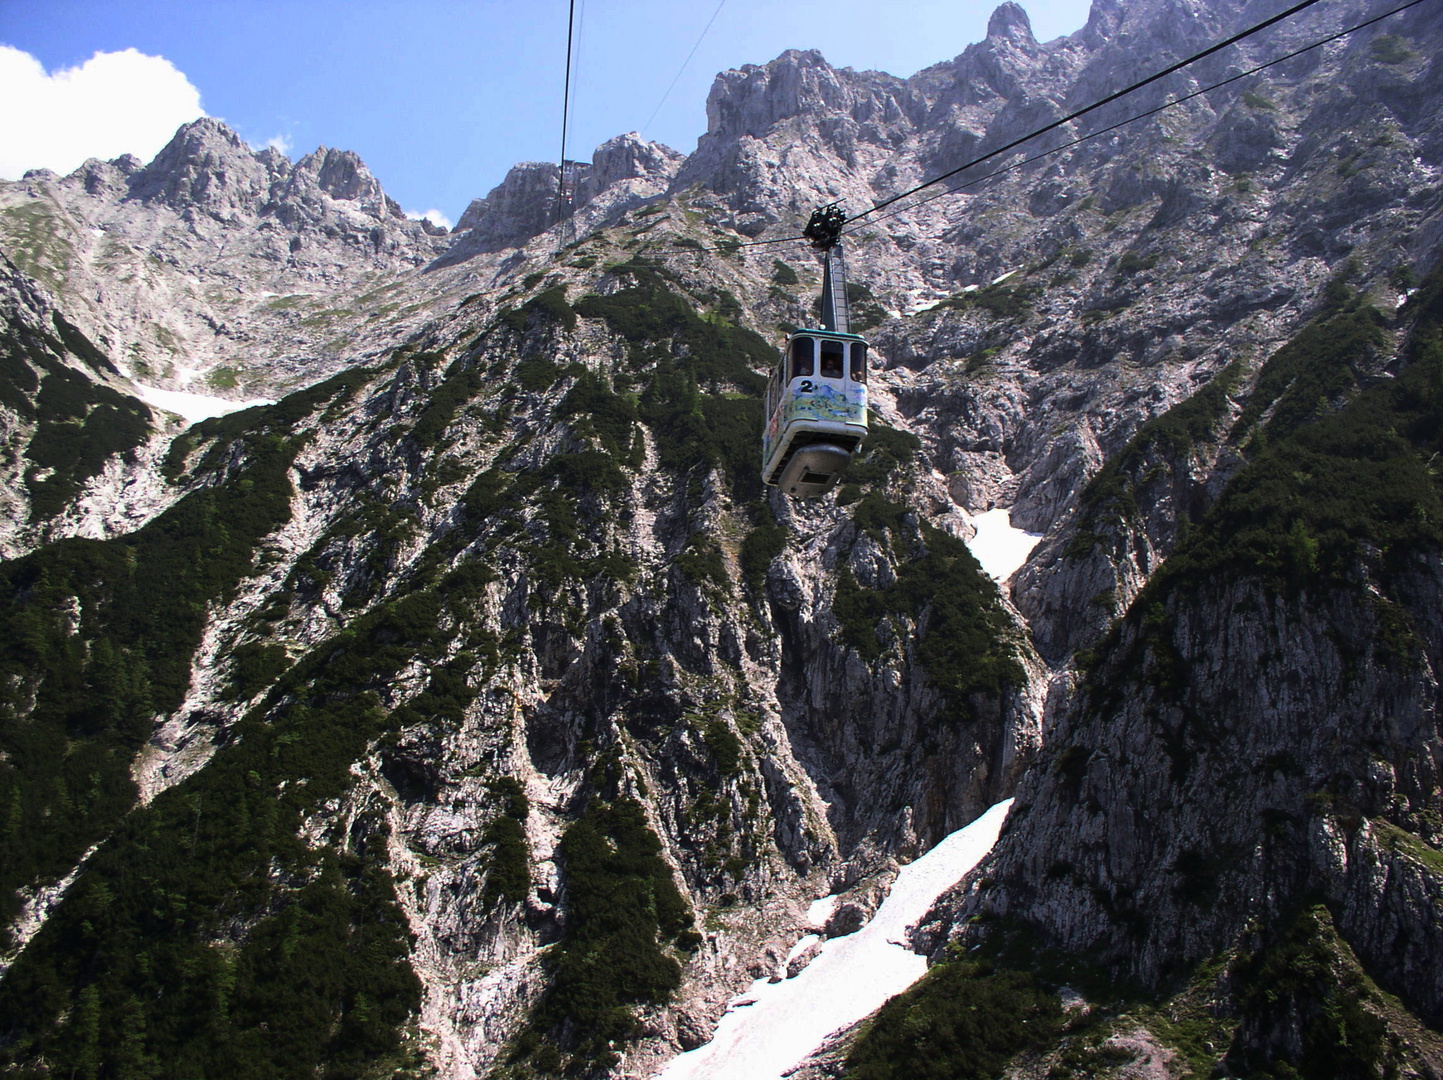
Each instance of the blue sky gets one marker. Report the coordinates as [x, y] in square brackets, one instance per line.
[441, 97]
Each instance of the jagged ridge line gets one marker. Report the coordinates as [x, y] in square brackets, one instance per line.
[1150, 112]
[1240, 36]
[1103, 131]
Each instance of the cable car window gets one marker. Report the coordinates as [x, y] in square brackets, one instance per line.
[859, 361]
[832, 352]
[802, 353]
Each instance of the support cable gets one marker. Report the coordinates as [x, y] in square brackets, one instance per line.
[1170, 69]
[1090, 108]
[681, 69]
[565, 115]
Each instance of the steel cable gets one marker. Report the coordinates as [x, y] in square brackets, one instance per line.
[565, 115]
[681, 69]
[1143, 115]
[1171, 69]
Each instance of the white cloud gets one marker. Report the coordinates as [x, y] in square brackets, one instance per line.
[114, 103]
[435, 217]
[282, 143]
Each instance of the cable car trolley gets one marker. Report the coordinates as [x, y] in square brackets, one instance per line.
[817, 396]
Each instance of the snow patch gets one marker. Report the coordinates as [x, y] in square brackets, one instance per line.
[821, 910]
[802, 945]
[999, 547]
[851, 977]
[194, 407]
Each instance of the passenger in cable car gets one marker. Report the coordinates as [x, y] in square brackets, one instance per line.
[802, 351]
[859, 362]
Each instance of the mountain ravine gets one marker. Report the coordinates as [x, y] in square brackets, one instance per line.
[470, 708]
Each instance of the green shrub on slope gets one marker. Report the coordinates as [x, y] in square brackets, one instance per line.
[508, 877]
[962, 1021]
[692, 371]
[1359, 480]
[204, 932]
[965, 640]
[79, 423]
[1308, 983]
[95, 638]
[622, 908]
[209, 927]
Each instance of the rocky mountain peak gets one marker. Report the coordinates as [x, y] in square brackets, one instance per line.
[281, 230]
[1010, 23]
[107, 177]
[342, 175]
[1102, 22]
[1002, 65]
[624, 170]
[630, 156]
[751, 99]
[207, 166]
[522, 205]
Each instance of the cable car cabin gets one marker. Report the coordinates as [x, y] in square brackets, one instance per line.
[816, 411]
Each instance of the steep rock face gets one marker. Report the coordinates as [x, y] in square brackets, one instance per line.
[777, 133]
[79, 446]
[1261, 731]
[750, 102]
[624, 172]
[519, 207]
[185, 268]
[896, 764]
[1158, 851]
[342, 175]
[208, 168]
[894, 775]
[629, 157]
[108, 178]
[1129, 516]
[542, 580]
[1007, 64]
